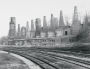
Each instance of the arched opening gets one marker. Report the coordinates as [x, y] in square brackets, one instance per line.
[66, 33]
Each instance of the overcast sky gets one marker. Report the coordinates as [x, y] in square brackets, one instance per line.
[25, 10]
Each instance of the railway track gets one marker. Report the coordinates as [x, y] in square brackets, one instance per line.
[42, 63]
[79, 62]
[55, 62]
[56, 58]
[48, 60]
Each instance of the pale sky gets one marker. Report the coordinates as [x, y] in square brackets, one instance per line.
[25, 10]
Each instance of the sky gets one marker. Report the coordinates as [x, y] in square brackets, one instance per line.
[25, 10]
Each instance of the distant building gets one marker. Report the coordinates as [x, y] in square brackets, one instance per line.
[52, 24]
[55, 20]
[51, 34]
[19, 31]
[43, 34]
[27, 30]
[61, 20]
[38, 27]
[44, 23]
[32, 31]
[23, 32]
[76, 25]
[12, 28]
[57, 32]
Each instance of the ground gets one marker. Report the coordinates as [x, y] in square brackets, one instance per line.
[11, 62]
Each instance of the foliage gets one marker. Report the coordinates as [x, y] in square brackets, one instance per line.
[3, 40]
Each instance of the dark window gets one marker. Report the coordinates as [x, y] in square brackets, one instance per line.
[65, 32]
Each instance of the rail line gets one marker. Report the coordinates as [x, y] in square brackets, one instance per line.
[43, 64]
[82, 63]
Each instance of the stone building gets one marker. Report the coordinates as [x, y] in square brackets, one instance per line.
[56, 33]
[51, 34]
[55, 20]
[45, 23]
[38, 27]
[43, 33]
[32, 31]
[23, 32]
[19, 31]
[27, 30]
[76, 25]
[61, 20]
[12, 28]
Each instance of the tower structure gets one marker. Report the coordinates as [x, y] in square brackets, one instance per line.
[44, 23]
[32, 25]
[19, 31]
[32, 31]
[61, 20]
[86, 25]
[55, 20]
[86, 21]
[12, 28]
[23, 32]
[75, 15]
[27, 30]
[75, 22]
[51, 22]
[38, 27]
